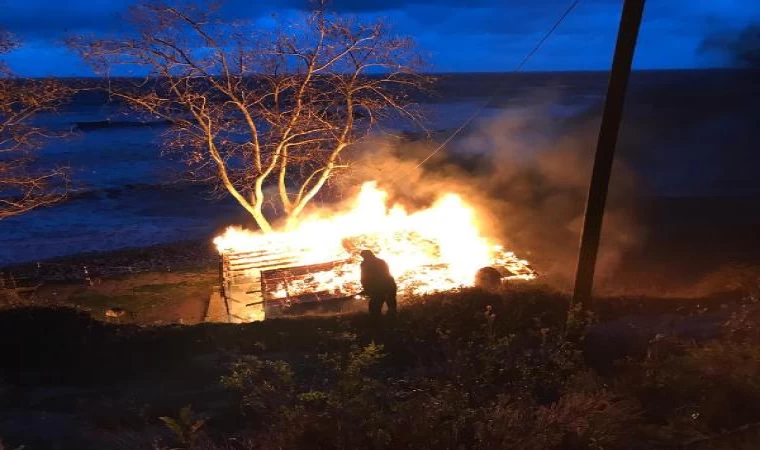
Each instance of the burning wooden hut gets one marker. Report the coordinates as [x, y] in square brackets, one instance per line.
[316, 263]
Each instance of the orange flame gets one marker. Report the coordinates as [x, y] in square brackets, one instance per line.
[433, 249]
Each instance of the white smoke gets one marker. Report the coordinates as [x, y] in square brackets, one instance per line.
[527, 177]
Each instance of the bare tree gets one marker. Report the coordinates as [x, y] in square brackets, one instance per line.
[21, 187]
[253, 109]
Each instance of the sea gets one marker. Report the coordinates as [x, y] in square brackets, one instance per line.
[684, 134]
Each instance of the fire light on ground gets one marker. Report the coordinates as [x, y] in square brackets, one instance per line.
[433, 249]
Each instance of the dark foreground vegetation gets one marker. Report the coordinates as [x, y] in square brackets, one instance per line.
[460, 370]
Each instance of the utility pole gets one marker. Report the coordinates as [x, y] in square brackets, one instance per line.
[630, 21]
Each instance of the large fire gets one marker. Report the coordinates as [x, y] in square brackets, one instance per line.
[433, 249]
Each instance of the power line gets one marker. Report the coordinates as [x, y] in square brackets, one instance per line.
[519, 67]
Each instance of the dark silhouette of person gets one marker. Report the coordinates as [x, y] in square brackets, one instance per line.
[378, 284]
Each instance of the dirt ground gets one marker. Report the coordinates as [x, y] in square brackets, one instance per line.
[152, 298]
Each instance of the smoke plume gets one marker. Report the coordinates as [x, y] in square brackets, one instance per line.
[527, 176]
[741, 48]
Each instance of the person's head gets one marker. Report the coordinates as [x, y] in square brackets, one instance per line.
[366, 254]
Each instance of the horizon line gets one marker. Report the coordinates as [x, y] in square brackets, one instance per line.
[439, 73]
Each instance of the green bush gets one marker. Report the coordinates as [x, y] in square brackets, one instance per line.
[697, 389]
[186, 427]
[264, 386]
[499, 380]
[463, 370]
[594, 420]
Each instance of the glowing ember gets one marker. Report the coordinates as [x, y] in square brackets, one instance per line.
[434, 249]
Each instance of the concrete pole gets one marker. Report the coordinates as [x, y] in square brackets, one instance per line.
[605, 150]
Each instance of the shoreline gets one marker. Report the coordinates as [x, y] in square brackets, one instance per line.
[703, 230]
[187, 254]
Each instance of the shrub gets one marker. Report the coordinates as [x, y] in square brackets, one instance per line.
[698, 389]
[186, 427]
[596, 420]
[264, 386]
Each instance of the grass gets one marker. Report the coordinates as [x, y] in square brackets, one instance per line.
[139, 299]
[457, 370]
[173, 288]
[100, 302]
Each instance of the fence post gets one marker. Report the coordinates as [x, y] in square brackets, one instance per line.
[223, 280]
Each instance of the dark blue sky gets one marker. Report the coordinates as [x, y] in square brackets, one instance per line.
[456, 35]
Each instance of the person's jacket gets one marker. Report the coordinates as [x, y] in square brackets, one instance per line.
[376, 277]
